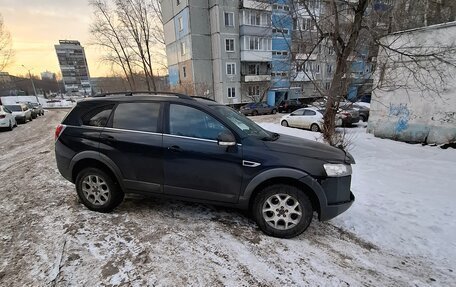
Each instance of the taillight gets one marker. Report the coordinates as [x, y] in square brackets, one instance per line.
[2, 116]
[58, 131]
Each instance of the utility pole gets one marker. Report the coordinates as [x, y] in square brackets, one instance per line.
[33, 84]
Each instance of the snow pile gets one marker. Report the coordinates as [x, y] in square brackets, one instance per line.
[404, 193]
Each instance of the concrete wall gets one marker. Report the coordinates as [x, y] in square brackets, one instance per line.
[418, 106]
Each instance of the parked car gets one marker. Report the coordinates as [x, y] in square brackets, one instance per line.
[33, 110]
[7, 119]
[307, 118]
[39, 108]
[363, 110]
[289, 106]
[349, 115]
[198, 150]
[21, 112]
[255, 109]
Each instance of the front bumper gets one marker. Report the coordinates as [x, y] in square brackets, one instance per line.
[339, 197]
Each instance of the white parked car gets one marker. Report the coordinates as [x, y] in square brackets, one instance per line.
[21, 112]
[306, 118]
[7, 119]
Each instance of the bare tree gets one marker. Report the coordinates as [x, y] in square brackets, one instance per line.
[131, 33]
[6, 51]
[348, 29]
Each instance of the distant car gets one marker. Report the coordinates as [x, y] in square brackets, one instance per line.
[7, 119]
[39, 108]
[255, 109]
[363, 110]
[349, 115]
[21, 112]
[307, 118]
[289, 106]
[33, 110]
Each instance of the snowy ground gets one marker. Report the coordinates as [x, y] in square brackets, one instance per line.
[400, 231]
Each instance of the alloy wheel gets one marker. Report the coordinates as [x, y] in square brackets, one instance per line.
[282, 211]
[95, 190]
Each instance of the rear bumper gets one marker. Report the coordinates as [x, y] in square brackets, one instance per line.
[63, 162]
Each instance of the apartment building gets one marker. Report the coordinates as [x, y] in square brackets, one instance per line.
[242, 51]
[74, 68]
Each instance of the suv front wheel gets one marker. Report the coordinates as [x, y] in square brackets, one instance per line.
[97, 190]
[282, 211]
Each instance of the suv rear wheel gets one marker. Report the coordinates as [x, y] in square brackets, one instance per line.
[97, 190]
[282, 211]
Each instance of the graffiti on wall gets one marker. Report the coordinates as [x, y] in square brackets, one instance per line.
[402, 112]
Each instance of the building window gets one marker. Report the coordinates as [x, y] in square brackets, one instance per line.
[329, 68]
[229, 45]
[180, 23]
[229, 19]
[257, 43]
[184, 72]
[317, 69]
[254, 90]
[230, 68]
[183, 48]
[231, 93]
[327, 85]
[280, 31]
[254, 69]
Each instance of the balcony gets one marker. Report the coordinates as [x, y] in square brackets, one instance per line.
[256, 78]
[248, 30]
[257, 5]
[256, 56]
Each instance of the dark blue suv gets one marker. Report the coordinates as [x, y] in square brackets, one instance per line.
[181, 147]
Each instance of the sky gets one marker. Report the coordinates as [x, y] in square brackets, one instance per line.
[37, 25]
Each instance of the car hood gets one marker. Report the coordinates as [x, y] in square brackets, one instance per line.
[309, 148]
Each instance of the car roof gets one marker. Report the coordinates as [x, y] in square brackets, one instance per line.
[149, 96]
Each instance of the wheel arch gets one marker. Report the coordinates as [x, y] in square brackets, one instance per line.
[297, 178]
[95, 159]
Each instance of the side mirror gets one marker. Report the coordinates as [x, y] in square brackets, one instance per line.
[226, 139]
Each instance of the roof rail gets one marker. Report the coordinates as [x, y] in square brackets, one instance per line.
[129, 93]
[203, 98]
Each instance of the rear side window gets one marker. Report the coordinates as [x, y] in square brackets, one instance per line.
[137, 116]
[309, 113]
[97, 117]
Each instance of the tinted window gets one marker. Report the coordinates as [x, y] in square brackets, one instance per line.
[309, 113]
[14, 108]
[297, 113]
[190, 122]
[6, 110]
[97, 117]
[137, 116]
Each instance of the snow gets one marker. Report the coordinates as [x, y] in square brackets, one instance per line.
[387, 238]
[404, 193]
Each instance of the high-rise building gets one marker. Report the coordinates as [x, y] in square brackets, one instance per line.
[74, 68]
[241, 51]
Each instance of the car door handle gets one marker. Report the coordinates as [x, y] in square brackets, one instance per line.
[174, 148]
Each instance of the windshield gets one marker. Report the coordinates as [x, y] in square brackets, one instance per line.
[34, 105]
[244, 123]
[14, 108]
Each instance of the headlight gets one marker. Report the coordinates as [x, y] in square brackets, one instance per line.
[337, 170]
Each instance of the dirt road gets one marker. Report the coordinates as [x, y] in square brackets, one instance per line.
[48, 239]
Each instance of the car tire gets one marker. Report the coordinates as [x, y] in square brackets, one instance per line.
[274, 111]
[255, 113]
[282, 210]
[97, 190]
[284, 123]
[314, 128]
[10, 128]
[363, 118]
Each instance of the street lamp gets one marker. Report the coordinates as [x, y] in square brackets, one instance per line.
[33, 84]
